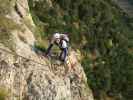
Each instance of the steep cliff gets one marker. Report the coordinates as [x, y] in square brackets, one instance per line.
[24, 75]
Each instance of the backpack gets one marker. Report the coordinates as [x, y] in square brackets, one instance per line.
[64, 37]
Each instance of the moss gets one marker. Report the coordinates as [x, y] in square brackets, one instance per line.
[3, 94]
[6, 25]
[4, 9]
[6, 39]
[6, 6]
[28, 22]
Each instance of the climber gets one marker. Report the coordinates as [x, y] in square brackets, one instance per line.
[61, 40]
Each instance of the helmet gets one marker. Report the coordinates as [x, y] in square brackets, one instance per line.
[56, 35]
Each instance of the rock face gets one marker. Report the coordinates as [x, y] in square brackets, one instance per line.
[34, 78]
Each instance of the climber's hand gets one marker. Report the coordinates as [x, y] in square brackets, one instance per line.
[46, 55]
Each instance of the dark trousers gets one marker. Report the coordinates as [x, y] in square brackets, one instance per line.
[63, 54]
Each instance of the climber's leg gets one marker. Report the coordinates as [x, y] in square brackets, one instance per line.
[63, 54]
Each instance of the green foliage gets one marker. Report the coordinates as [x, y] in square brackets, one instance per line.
[114, 75]
[121, 66]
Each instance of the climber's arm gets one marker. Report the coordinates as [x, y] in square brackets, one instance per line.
[49, 49]
[52, 41]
